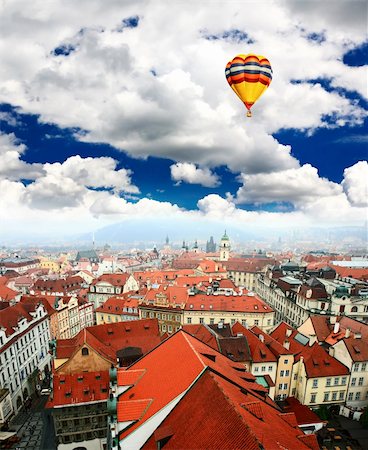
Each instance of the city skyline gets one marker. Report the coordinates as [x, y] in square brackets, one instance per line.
[106, 119]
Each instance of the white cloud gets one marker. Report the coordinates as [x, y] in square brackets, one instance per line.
[164, 94]
[355, 183]
[187, 112]
[297, 186]
[94, 172]
[11, 166]
[189, 173]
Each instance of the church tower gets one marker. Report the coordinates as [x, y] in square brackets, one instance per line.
[224, 247]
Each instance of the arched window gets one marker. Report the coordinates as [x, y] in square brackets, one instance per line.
[85, 351]
[354, 309]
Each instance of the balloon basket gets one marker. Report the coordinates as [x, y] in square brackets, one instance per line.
[249, 114]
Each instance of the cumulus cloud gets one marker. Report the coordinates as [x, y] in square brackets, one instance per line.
[94, 172]
[355, 183]
[149, 93]
[11, 165]
[191, 174]
[297, 186]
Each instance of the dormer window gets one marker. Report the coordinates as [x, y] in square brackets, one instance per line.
[85, 351]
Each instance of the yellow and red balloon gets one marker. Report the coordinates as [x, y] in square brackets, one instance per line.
[249, 76]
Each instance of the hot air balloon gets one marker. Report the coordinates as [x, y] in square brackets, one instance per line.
[249, 76]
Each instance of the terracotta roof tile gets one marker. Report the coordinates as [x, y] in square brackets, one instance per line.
[132, 409]
[215, 418]
[129, 377]
[77, 388]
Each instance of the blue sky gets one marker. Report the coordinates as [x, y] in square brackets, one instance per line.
[105, 119]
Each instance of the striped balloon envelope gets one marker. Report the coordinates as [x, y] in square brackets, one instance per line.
[249, 76]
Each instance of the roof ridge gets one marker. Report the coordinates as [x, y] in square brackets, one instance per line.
[194, 350]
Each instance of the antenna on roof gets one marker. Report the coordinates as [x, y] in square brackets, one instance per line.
[93, 240]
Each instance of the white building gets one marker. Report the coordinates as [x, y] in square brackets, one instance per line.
[24, 357]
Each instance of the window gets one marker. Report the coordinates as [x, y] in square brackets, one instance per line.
[315, 383]
[356, 367]
[334, 396]
[269, 368]
[357, 396]
[256, 322]
[144, 314]
[287, 373]
[360, 381]
[286, 361]
[256, 369]
[263, 368]
[151, 314]
[328, 382]
[201, 320]
[343, 381]
[189, 320]
[169, 328]
[293, 392]
[326, 397]
[350, 396]
[280, 386]
[341, 395]
[336, 381]
[295, 376]
[244, 322]
[364, 365]
[282, 372]
[85, 351]
[212, 321]
[232, 321]
[313, 398]
[353, 381]
[285, 385]
[354, 309]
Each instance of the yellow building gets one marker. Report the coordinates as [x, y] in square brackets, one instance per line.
[49, 264]
[318, 378]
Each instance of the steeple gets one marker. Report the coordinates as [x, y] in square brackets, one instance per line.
[224, 247]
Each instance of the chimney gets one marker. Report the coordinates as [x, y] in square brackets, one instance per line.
[332, 320]
[287, 345]
[240, 291]
[358, 335]
[331, 351]
[336, 327]
[347, 332]
[288, 332]
[261, 337]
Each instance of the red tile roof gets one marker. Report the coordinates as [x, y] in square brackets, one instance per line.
[10, 316]
[175, 364]
[318, 363]
[202, 333]
[132, 409]
[107, 339]
[6, 293]
[280, 334]
[228, 303]
[258, 349]
[79, 388]
[359, 274]
[220, 415]
[115, 279]
[174, 294]
[321, 327]
[357, 348]
[250, 265]
[115, 305]
[303, 414]
[276, 348]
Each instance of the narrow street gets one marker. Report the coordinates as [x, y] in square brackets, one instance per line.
[34, 427]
